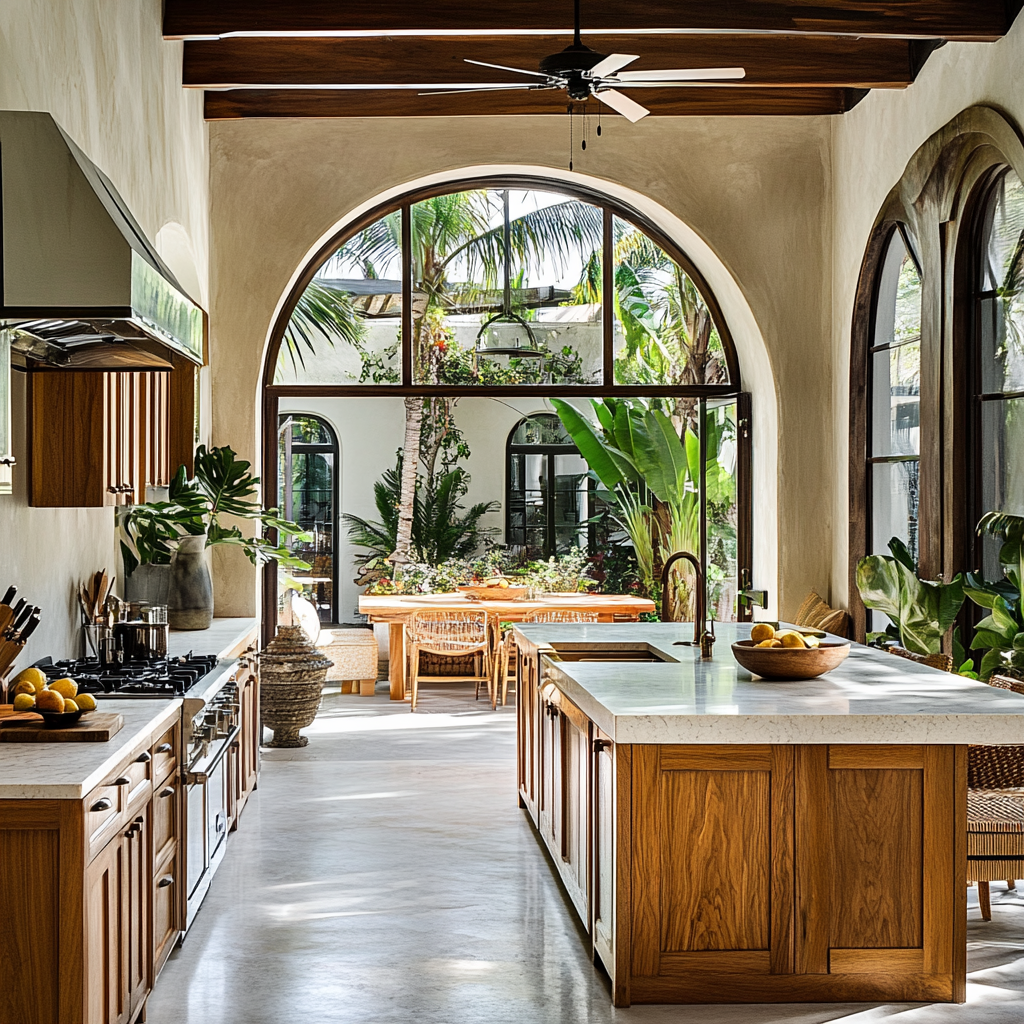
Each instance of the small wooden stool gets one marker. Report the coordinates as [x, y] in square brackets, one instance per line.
[354, 653]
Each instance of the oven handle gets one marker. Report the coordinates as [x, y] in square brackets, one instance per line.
[190, 778]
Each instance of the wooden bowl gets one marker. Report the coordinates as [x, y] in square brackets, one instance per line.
[494, 593]
[60, 719]
[789, 663]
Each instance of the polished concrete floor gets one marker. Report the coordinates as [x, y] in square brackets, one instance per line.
[385, 874]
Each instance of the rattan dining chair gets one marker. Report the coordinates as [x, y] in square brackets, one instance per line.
[507, 646]
[452, 634]
[995, 800]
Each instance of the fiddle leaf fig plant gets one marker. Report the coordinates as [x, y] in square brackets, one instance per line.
[223, 485]
[920, 610]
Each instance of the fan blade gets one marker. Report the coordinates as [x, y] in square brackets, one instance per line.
[681, 75]
[611, 64]
[483, 88]
[504, 67]
[622, 104]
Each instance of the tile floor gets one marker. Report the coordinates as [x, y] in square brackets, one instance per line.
[385, 874]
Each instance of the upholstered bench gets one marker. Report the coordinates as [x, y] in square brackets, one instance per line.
[354, 653]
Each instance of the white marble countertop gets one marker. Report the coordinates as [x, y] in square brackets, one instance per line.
[223, 636]
[68, 771]
[871, 697]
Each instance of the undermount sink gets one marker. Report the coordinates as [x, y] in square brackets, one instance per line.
[613, 652]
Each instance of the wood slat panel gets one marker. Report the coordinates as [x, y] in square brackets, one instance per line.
[950, 19]
[779, 60]
[876, 961]
[783, 865]
[715, 861]
[695, 101]
[741, 962]
[813, 866]
[716, 756]
[877, 858]
[882, 756]
[646, 862]
[938, 848]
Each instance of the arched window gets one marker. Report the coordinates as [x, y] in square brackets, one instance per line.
[549, 496]
[996, 454]
[307, 491]
[894, 397]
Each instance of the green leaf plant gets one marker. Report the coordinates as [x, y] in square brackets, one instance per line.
[920, 610]
[1000, 634]
[223, 485]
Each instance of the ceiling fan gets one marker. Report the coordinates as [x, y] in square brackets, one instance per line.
[583, 72]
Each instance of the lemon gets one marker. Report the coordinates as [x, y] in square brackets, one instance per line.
[792, 639]
[24, 702]
[761, 631]
[86, 701]
[24, 687]
[65, 687]
[50, 700]
[811, 641]
[770, 642]
[70, 705]
[34, 676]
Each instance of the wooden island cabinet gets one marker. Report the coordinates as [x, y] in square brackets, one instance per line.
[706, 867]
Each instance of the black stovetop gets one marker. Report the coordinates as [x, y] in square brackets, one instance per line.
[152, 677]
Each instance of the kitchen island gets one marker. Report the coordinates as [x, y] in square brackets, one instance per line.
[728, 839]
[90, 902]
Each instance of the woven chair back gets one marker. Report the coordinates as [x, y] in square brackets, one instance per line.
[449, 632]
[818, 614]
[943, 662]
[997, 767]
[561, 615]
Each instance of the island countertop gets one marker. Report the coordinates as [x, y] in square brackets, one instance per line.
[871, 698]
[68, 771]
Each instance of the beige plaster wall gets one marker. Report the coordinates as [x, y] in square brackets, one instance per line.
[750, 196]
[872, 145]
[102, 69]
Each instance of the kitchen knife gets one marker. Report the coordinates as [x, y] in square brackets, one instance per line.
[12, 592]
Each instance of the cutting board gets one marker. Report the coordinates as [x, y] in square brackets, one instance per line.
[98, 727]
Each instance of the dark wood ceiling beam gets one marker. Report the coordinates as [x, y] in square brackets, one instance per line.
[696, 101]
[816, 61]
[946, 19]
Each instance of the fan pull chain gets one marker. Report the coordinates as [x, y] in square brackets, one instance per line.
[569, 109]
[586, 127]
[599, 121]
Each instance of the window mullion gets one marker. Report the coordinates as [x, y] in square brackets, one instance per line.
[607, 298]
[406, 295]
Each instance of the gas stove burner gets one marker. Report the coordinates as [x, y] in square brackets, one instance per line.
[151, 677]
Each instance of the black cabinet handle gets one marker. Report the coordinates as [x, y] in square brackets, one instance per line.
[103, 804]
[600, 745]
[140, 819]
[144, 757]
[165, 881]
[164, 748]
[166, 791]
[133, 831]
[122, 781]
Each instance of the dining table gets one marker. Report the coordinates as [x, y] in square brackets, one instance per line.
[397, 609]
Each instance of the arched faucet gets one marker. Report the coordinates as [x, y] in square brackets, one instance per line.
[699, 609]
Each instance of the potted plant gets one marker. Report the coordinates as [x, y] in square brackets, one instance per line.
[177, 532]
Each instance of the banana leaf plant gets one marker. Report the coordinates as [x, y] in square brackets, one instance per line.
[223, 485]
[1000, 634]
[921, 611]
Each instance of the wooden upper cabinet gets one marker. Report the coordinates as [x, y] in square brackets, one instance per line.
[99, 438]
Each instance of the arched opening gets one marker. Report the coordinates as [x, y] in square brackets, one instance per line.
[550, 290]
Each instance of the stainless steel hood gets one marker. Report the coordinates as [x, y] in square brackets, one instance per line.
[74, 262]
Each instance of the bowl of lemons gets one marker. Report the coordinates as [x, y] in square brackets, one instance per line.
[59, 703]
[787, 654]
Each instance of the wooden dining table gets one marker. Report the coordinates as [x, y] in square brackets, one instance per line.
[396, 610]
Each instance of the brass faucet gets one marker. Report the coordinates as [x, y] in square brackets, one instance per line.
[699, 606]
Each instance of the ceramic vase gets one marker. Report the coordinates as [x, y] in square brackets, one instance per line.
[292, 675]
[148, 584]
[190, 589]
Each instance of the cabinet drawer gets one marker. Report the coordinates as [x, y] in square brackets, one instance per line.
[166, 914]
[165, 755]
[165, 816]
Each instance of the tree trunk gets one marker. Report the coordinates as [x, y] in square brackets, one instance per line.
[410, 464]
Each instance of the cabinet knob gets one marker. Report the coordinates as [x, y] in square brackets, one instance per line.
[122, 780]
[166, 791]
[165, 881]
[600, 745]
[103, 804]
[164, 748]
[144, 757]
[133, 831]
[140, 819]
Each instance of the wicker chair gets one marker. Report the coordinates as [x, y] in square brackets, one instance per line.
[507, 646]
[995, 799]
[451, 634]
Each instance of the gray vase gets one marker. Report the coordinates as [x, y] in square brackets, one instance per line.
[190, 594]
[149, 584]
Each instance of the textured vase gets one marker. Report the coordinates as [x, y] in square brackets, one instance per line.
[149, 584]
[292, 675]
[190, 590]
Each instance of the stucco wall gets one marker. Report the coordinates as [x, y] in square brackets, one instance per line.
[748, 198]
[102, 69]
[871, 148]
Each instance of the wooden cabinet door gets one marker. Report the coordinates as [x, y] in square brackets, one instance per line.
[106, 939]
[528, 729]
[139, 882]
[875, 828]
[549, 795]
[712, 866]
[602, 857]
[166, 909]
[575, 838]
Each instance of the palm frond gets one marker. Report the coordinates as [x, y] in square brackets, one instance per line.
[323, 313]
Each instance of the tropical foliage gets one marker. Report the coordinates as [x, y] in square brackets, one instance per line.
[1000, 634]
[223, 485]
[921, 611]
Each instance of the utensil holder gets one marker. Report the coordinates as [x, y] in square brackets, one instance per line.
[92, 634]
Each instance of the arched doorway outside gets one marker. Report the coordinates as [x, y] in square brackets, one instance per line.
[400, 376]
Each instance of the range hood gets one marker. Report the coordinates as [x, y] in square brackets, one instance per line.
[81, 283]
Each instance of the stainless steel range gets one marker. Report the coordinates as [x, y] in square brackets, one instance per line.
[211, 723]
